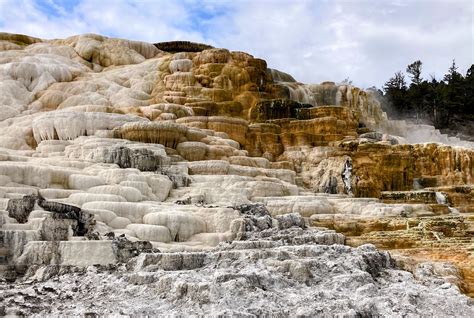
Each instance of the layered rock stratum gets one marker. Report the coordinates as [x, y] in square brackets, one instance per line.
[177, 178]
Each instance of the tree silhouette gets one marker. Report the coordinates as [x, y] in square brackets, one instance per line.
[395, 89]
[447, 104]
[414, 69]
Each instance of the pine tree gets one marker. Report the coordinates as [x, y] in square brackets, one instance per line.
[452, 72]
[414, 69]
[395, 89]
[454, 91]
[469, 91]
[396, 82]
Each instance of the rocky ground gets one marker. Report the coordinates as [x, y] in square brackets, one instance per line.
[264, 277]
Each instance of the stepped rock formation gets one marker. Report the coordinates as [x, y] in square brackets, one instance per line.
[131, 170]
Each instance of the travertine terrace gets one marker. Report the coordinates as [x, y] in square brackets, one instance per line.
[178, 177]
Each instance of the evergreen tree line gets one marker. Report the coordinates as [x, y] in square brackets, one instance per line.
[441, 103]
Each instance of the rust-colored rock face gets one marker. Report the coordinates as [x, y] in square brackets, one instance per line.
[160, 141]
[398, 167]
[445, 237]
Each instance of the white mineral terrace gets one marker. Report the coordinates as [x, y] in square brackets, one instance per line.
[147, 183]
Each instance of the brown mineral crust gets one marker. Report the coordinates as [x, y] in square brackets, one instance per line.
[462, 257]
[444, 238]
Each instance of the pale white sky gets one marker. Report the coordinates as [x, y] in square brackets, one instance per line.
[314, 40]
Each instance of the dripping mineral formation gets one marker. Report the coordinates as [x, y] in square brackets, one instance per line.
[144, 179]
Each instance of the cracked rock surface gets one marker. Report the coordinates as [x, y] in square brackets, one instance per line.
[242, 278]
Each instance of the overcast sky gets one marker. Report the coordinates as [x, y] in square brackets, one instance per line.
[314, 40]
